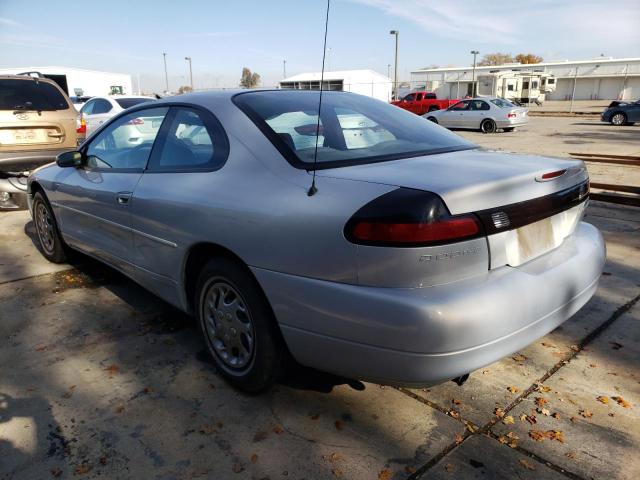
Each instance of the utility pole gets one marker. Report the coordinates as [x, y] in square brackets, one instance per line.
[473, 76]
[166, 77]
[188, 59]
[284, 69]
[395, 75]
[389, 70]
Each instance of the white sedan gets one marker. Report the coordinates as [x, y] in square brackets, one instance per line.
[98, 110]
[486, 114]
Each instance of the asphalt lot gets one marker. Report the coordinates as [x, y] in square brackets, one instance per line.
[100, 379]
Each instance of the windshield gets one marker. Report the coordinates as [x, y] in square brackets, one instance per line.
[500, 102]
[130, 102]
[16, 94]
[353, 129]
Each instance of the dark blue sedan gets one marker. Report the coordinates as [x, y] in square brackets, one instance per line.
[622, 113]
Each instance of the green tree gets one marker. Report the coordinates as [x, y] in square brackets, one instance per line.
[496, 59]
[249, 79]
[528, 58]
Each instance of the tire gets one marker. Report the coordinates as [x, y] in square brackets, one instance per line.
[509, 129]
[238, 326]
[618, 119]
[433, 119]
[433, 108]
[51, 244]
[488, 126]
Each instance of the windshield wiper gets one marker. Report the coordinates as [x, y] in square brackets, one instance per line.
[26, 107]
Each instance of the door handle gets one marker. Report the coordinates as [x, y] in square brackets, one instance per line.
[123, 198]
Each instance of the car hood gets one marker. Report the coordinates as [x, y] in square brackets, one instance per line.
[470, 180]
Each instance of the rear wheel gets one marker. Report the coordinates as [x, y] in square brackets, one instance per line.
[51, 243]
[488, 126]
[238, 325]
[618, 119]
[432, 119]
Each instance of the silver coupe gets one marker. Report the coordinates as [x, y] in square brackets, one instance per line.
[367, 242]
[487, 114]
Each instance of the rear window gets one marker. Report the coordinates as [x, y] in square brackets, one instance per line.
[130, 102]
[353, 129]
[30, 94]
[502, 103]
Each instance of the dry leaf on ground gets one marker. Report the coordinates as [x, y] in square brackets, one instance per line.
[385, 474]
[518, 357]
[603, 399]
[254, 458]
[508, 420]
[541, 401]
[498, 412]
[526, 464]
[513, 389]
[458, 438]
[621, 401]
[585, 413]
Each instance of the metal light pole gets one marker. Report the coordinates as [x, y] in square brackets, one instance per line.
[389, 70]
[395, 74]
[284, 69]
[473, 76]
[188, 59]
[166, 77]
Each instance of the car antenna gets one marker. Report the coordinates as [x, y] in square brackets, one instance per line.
[313, 189]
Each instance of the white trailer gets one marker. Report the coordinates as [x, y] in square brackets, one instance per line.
[79, 82]
[516, 86]
[364, 82]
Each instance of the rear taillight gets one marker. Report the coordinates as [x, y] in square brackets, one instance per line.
[512, 115]
[81, 125]
[135, 121]
[409, 218]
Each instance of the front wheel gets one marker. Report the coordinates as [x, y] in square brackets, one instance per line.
[488, 126]
[433, 119]
[238, 325]
[51, 243]
[618, 119]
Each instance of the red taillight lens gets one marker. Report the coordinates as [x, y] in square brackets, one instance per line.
[82, 125]
[409, 218]
[550, 175]
[512, 115]
[412, 233]
[135, 121]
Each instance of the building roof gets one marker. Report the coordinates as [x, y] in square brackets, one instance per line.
[594, 61]
[335, 75]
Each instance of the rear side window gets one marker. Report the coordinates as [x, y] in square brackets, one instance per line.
[192, 141]
[101, 106]
[130, 102]
[30, 94]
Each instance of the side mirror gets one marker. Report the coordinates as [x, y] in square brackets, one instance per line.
[69, 159]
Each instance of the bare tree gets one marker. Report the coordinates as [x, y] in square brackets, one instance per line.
[528, 58]
[249, 79]
[185, 89]
[496, 59]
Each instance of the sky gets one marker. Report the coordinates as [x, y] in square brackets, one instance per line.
[222, 37]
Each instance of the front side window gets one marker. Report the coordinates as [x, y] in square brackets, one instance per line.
[479, 105]
[30, 94]
[126, 143]
[461, 106]
[353, 128]
[194, 141]
[410, 98]
[101, 106]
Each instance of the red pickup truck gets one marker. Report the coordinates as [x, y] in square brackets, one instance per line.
[423, 102]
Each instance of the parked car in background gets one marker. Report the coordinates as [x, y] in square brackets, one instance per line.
[423, 102]
[622, 113]
[484, 114]
[417, 259]
[37, 122]
[78, 102]
[97, 110]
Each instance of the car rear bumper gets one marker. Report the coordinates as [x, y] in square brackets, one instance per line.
[513, 123]
[427, 335]
[28, 160]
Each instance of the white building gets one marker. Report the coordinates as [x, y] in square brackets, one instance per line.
[364, 82]
[78, 81]
[598, 79]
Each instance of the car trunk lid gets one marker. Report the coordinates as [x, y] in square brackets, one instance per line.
[30, 130]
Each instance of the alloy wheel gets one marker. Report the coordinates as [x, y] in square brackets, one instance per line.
[618, 119]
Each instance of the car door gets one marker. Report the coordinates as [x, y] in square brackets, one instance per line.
[453, 116]
[472, 117]
[101, 111]
[633, 112]
[181, 174]
[94, 199]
